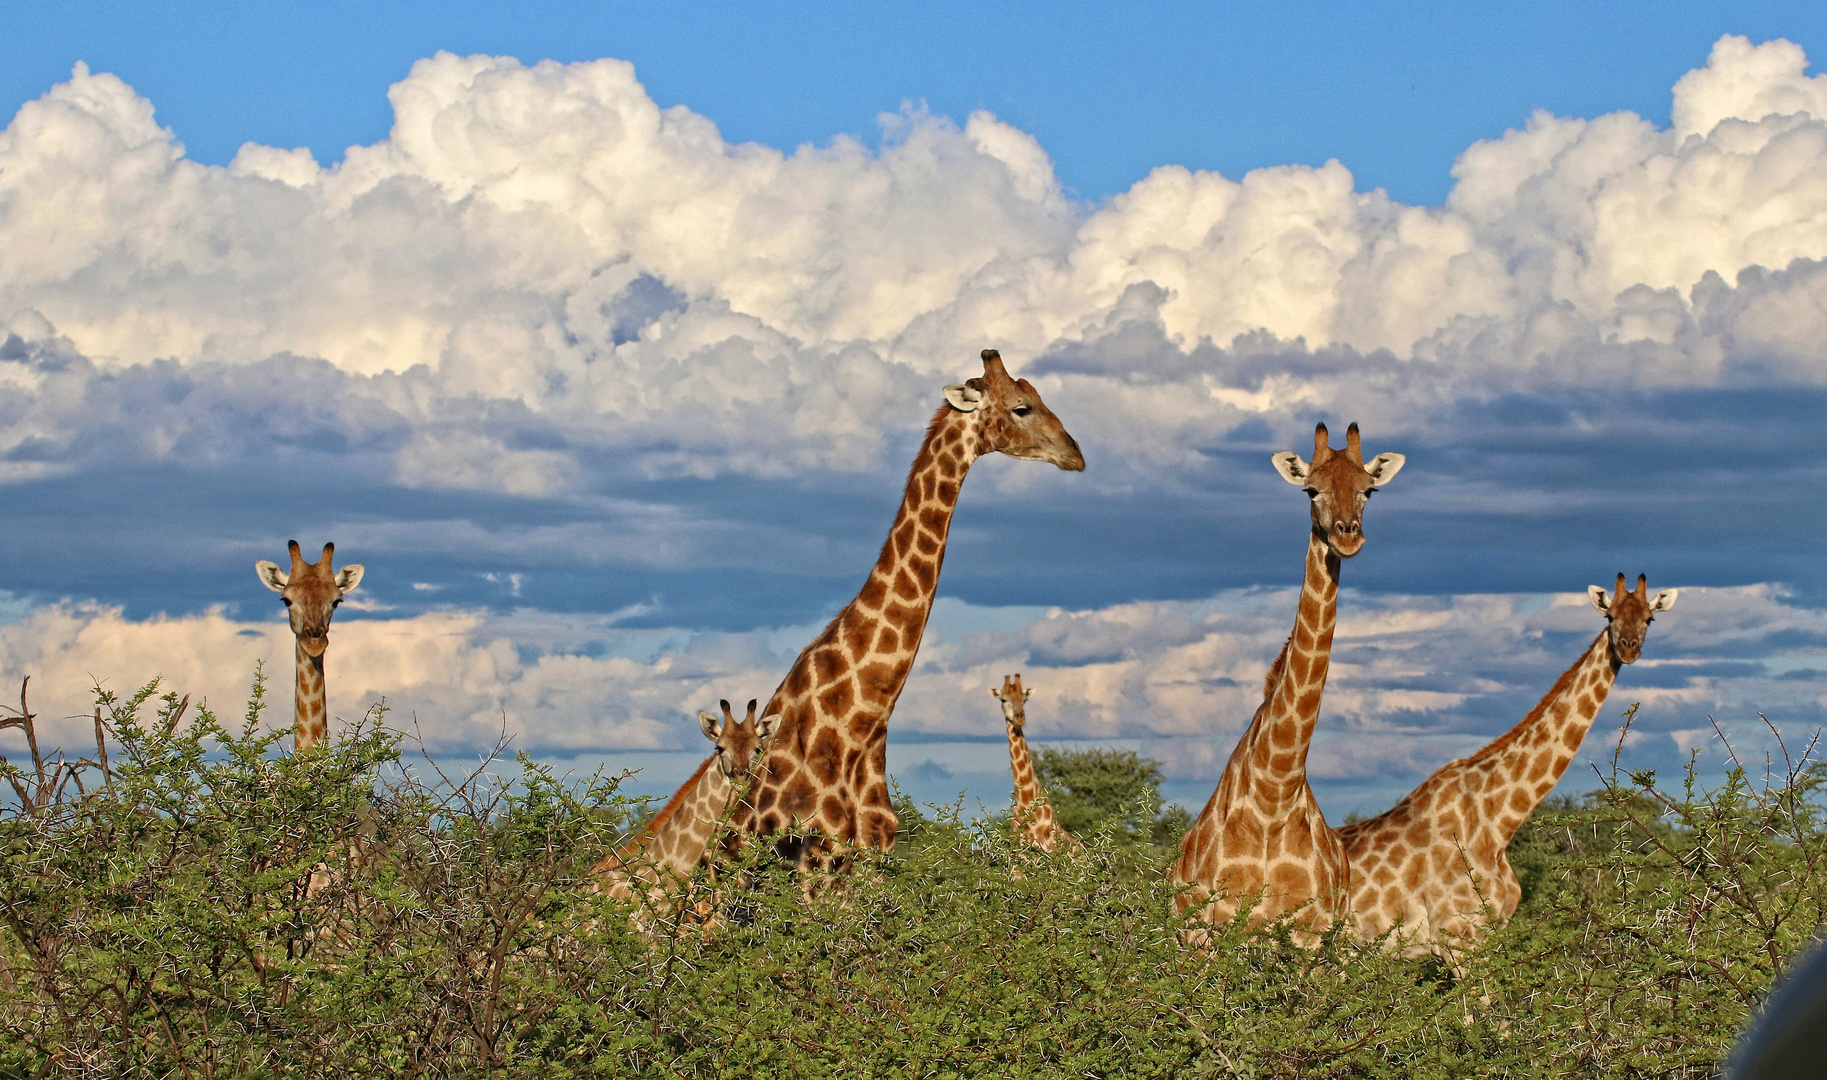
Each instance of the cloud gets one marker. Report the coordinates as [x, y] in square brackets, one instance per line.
[550, 351]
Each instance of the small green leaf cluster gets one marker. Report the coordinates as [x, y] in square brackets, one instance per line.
[205, 906]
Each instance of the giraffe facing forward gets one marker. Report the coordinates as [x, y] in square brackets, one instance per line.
[673, 845]
[827, 769]
[1436, 862]
[1261, 839]
[311, 593]
[1033, 814]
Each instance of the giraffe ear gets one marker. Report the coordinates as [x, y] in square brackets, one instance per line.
[348, 578]
[1292, 468]
[964, 398]
[271, 576]
[1665, 600]
[1600, 598]
[711, 723]
[1384, 467]
[1026, 693]
[996, 692]
[764, 727]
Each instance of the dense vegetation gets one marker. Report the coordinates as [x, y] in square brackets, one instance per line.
[190, 902]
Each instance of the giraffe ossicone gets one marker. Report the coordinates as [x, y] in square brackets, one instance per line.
[311, 592]
[1434, 868]
[824, 781]
[1261, 842]
[1031, 815]
[658, 863]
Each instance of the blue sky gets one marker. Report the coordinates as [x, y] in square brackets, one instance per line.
[1394, 90]
[608, 368]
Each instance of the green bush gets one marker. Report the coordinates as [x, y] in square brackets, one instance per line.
[1114, 790]
[204, 906]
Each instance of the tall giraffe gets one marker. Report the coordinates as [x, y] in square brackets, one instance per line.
[1032, 813]
[1436, 862]
[827, 770]
[311, 593]
[1262, 839]
[674, 843]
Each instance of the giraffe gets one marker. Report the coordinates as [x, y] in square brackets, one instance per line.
[1262, 837]
[674, 844]
[827, 769]
[1436, 862]
[311, 593]
[1033, 814]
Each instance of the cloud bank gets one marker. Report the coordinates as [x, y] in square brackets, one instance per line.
[551, 352]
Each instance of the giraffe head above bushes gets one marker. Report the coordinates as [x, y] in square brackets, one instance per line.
[739, 743]
[311, 592]
[1339, 484]
[1014, 702]
[1629, 612]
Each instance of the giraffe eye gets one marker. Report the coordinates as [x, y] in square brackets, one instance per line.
[1021, 410]
[286, 600]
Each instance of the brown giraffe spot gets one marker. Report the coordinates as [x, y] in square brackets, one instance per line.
[904, 584]
[1575, 736]
[928, 545]
[829, 663]
[875, 590]
[877, 680]
[1520, 801]
[932, 519]
[823, 759]
[1414, 872]
[799, 682]
[908, 618]
[1309, 702]
[835, 700]
[1290, 879]
[1242, 832]
[835, 812]
[771, 823]
[947, 491]
[927, 572]
[887, 640]
[855, 632]
[1538, 768]
[799, 796]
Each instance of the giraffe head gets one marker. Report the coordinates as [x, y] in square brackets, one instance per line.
[311, 593]
[1012, 419]
[1629, 612]
[739, 743]
[1339, 484]
[1014, 701]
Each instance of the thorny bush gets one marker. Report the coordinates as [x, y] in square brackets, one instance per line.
[190, 902]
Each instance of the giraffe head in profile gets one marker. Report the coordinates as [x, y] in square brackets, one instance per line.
[1629, 612]
[1014, 702]
[1011, 418]
[311, 592]
[739, 743]
[1339, 484]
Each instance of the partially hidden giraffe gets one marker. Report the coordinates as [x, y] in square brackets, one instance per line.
[311, 592]
[656, 864]
[1436, 863]
[1261, 841]
[827, 770]
[1032, 815]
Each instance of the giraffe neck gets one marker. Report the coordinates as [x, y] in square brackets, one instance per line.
[1290, 710]
[1033, 813]
[1533, 756]
[310, 720]
[676, 838]
[827, 768]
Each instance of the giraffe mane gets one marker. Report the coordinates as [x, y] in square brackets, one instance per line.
[1275, 669]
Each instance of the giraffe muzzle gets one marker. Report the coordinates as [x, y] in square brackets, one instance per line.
[314, 645]
[1346, 537]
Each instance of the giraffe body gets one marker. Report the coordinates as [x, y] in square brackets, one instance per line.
[827, 769]
[1032, 818]
[311, 593]
[673, 846]
[1261, 840]
[1435, 863]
